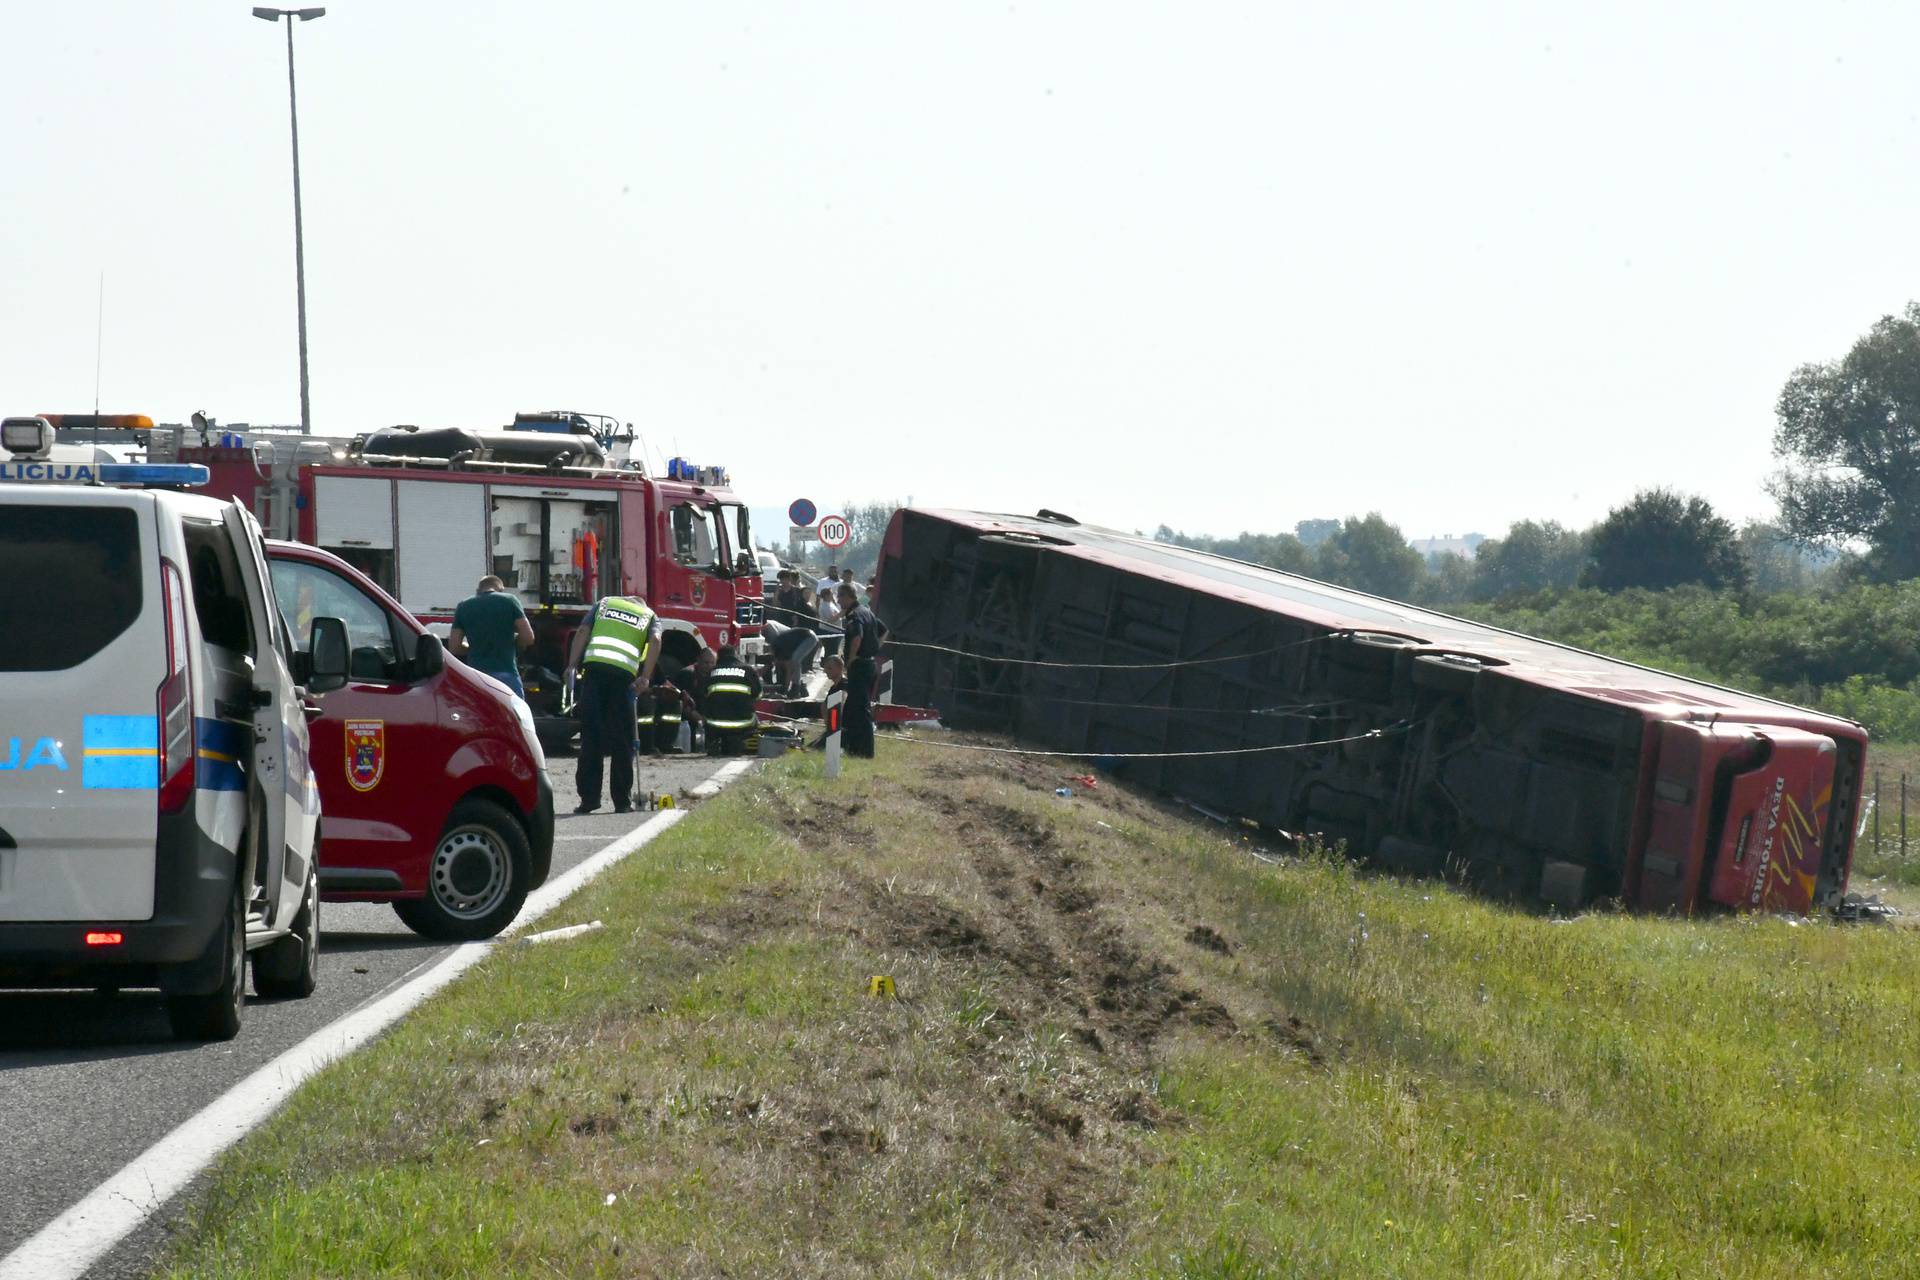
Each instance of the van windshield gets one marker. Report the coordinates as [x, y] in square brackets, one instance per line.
[87, 557]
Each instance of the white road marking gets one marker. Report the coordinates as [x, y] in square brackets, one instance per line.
[68, 1246]
[571, 931]
[725, 774]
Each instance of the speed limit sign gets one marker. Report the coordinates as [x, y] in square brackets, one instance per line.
[835, 531]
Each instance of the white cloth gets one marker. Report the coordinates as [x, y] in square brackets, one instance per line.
[823, 585]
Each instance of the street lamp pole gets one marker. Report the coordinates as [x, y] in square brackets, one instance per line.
[299, 238]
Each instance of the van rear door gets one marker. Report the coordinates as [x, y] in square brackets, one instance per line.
[280, 763]
[82, 658]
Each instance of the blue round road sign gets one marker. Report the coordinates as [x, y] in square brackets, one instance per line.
[802, 511]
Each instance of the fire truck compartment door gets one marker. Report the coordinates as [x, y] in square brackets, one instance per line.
[444, 543]
[351, 511]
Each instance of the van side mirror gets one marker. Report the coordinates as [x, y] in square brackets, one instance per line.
[429, 657]
[328, 655]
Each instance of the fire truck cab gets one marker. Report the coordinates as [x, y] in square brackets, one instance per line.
[556, 505]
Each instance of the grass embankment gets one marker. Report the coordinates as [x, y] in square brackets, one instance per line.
[1122, 1046]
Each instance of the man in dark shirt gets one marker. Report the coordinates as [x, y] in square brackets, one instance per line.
[792, 650]
[863, 648]
[791, 605]
[489, 630]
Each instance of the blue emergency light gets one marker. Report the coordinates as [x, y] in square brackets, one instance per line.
[170, 475]
[183, 475]
[681, 469]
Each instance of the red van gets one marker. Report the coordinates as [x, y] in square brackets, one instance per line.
[433, 786]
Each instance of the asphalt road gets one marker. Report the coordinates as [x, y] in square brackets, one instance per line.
[88, 1082]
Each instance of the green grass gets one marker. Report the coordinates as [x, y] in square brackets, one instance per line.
[1123, 1046]
[1880, 863]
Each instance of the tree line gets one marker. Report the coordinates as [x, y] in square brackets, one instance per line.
[1657, 541]
[1820, 605]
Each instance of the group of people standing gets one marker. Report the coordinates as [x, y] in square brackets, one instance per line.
[625, 699]
[813, 606]
[830, 616]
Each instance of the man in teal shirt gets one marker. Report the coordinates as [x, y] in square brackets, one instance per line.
[489, 630]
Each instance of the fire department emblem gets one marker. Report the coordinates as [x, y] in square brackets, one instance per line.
[366, 753]
[697, 588]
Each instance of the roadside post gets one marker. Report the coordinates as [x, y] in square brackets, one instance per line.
[835, 701]
[799, 538]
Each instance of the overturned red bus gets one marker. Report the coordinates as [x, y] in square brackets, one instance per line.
[1532, 768]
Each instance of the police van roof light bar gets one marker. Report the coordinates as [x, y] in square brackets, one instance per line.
[157, 475]
[183, 475]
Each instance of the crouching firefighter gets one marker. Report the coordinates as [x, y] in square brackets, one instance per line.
[614, 653]
[663, 709]
[727, 703]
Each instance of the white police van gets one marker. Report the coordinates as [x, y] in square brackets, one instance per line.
[158, 814]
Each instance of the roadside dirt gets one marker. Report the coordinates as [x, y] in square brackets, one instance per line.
[1081, 977]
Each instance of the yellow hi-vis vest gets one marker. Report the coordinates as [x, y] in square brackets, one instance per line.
[622, 627]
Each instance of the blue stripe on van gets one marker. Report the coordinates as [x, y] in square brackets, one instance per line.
[221, 750]
[120, 733]
[120, 753]
[120, 773]
[223, 736]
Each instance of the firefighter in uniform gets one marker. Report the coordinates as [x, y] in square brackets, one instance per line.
[726, 703]
[643, 719]
[614, 654]
[664, 708]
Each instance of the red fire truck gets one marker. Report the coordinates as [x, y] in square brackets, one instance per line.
[557, 505]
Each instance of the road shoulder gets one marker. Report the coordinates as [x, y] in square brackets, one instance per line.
[88, 1231]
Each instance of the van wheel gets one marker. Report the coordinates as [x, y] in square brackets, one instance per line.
[215, 1015]
[290, 968]
[480, 873]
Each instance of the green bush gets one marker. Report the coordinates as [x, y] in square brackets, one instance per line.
[1890, 714]
[1854, 652]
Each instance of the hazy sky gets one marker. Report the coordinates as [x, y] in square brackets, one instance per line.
[1220, 266]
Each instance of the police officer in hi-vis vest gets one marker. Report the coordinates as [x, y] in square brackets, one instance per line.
[614, 651]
